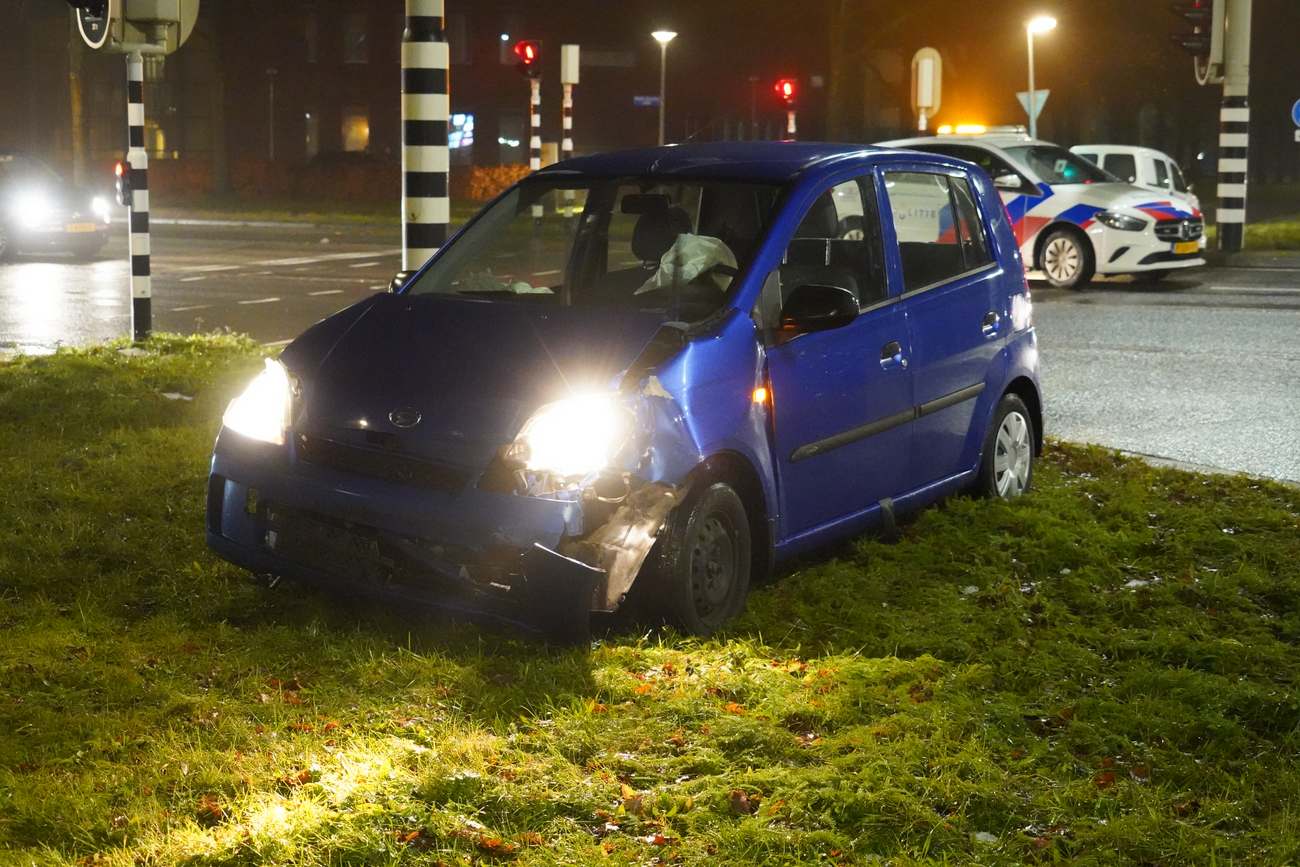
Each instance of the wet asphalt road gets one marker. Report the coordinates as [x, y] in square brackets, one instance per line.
[1203, 368]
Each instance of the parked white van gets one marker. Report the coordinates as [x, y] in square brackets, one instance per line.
[1142, 167]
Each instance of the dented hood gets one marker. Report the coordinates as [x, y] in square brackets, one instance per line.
[472, 370]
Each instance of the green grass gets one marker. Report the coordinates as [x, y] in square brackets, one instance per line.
[1266, 236]
[1104, 672]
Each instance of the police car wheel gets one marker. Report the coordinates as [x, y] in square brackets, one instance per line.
[703, 568]
[1067, 260]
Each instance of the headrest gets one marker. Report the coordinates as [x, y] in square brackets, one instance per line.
[657, 229]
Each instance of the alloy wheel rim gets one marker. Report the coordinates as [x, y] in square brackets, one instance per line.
[1061, 260]
[713, 566]
[1012, 455]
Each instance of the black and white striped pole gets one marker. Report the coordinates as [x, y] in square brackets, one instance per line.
[137, 159]
[1234, 127]
[426, 109]
[569, 56]
[535, 133]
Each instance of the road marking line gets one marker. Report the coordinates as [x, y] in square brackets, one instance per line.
[364, 265]
[327, 292]
[328, 257]
[277, 343]
[194, 307]
[260, 301]
[192, 279]
[547, 273]
[207, 269]
[1254, 290]
[379, 286]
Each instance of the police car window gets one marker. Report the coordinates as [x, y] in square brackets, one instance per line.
[926, 225]
[1122, 166]
[1162, 174]
[1090, 157]
[1180, 182]
[1056, 165]
[838, 243]
[974, 243]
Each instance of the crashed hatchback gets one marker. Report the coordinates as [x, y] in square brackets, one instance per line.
[653, 373]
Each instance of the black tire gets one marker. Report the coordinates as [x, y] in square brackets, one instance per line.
[991, 481]
[702, 564]
[1067, 260]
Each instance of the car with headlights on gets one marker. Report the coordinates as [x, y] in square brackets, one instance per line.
[1072, 218]
[41, 212]
[647, 374]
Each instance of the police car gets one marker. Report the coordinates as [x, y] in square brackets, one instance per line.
[1073, 219]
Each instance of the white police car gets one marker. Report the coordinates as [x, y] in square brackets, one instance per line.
[1073, 219]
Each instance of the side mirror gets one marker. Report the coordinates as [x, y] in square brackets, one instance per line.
[399, 280]
[814, 307]
[1008, 182]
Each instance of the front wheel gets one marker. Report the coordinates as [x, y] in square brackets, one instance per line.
[1007, 464]
[703, 567]
[1067, 260]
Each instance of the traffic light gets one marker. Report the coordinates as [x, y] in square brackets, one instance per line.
[94, 7]
[122, 171]
[529, 52]
[787, 90]
[1200, 15]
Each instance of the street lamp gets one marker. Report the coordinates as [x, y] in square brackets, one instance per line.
[1035, 27]
[663, 37]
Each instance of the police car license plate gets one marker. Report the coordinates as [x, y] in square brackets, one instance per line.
[1182, 248]
[80, 227]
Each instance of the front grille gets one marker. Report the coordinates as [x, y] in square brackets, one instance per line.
[377, 464]
[1172, 230]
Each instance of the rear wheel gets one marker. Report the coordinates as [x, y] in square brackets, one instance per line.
[703, 566]
[1007, 464]
[1067, 259]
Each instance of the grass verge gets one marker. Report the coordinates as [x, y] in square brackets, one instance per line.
[1104, 672]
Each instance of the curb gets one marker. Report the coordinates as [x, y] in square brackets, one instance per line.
[1254, 259]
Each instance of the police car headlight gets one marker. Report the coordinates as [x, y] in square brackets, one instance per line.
[32, 210]
[99, 207]
[574, 437]
[1123, 222]
[262, 412]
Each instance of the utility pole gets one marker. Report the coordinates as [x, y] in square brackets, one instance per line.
[426, 112]
[137, 158]
[1234, 127]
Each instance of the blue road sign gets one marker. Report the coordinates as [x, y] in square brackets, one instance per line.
[1295, 112]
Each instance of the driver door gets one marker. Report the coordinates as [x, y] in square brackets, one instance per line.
[841, 399]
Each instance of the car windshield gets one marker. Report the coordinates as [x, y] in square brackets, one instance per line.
[675, 246]
[16, 167]
[1055, 165]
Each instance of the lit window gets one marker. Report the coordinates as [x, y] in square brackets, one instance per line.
[356, 129]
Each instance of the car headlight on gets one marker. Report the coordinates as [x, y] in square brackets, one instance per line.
[100, 208]
[263, 411]
[32, 210]
[576, 436]
[1123, 222]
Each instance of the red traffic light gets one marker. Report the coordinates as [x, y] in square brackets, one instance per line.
[125, 190]
[787, 90]
[529, 52]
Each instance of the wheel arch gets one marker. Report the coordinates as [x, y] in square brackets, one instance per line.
[737, 470]
[1050, 229]
[1024, 388]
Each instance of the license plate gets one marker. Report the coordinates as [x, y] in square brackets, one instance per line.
[1182, 248]
[80, 227]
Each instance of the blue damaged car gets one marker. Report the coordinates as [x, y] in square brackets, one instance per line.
[655, 374]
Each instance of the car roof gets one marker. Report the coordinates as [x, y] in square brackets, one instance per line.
[1128, 149]
[760, 161]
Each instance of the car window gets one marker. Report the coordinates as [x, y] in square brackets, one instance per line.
[1090, 157]
[985, 159]
[1055, 165]
[838, 243]
[974, 243]
[1180, 182]
[1162, 174]
[1122, 166]
[925, 222]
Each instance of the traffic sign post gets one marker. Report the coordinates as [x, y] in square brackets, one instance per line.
[787, 90]
[927, 85]
[1040, 100]
[136, 28]
[426, 110]
[569, 75]
[1234, 126]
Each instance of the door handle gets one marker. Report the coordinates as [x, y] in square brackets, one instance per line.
[891, 355]
[991, 324]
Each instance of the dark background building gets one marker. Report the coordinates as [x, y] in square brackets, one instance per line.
[301, 97]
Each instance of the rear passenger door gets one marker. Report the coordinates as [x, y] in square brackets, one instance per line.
[949, 284]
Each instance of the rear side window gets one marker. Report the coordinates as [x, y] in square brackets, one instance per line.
[839, 244]
[1122, 166]
[939, 232]
[1162, 174]
[1092, 158]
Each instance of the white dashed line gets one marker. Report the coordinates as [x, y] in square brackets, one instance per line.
[192, 279]
[364, 265]
[276, 343]
[260, 301]
[329, 257]
[195, 307]
[547, 273]
[208, 269]
[327, 292]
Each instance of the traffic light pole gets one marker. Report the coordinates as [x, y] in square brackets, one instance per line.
[138, 159]
[791, 127]
[1234, 127]
[535, 132]
[426, 110]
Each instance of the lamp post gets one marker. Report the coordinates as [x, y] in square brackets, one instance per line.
[1036, 26]
[663, 37]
